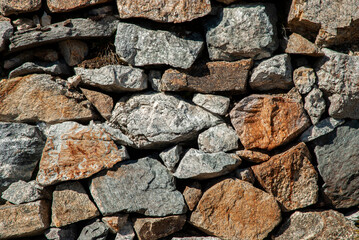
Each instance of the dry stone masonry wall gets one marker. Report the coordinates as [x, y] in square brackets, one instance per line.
[179, 119]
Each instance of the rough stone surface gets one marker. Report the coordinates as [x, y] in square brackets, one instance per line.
[334, 22]
[141, 46]
[102, 102]
[319, 225]
[208, 77]
[21, 147]
[6, 30]
[74, 151]
[252, 156]
[114, 78]
[304, 78]
[220, 138]
[54, 68]
[320, 129]
[144, 186]
[70, 29]
[157, 228]
[70, 5]
[115, 223]
[70, 204]
[315, 105]
[164, 11]
[24, 220]
[273, 73]
[234, 209]
[242, 31]
[353, 216]
[290, 178]
[23, 192]
[33, 55]
[64, 233]
[36, 98]
[337, 155]
[95, 230]
[126, 232]
[192, 194]
[213, 103]
[8, 7]
[196, 164]
[266, 122]
[337, 78]
[171, 157]
[73, 51]
[154, 78]
[152, 120]
[245, 174]
[116, 134]
[297, 44]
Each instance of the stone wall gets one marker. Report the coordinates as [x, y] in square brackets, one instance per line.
[179, 119]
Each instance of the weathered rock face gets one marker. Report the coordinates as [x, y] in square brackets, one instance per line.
[95, 230]
[337, 78]
[151, 120]
[200, 165]
[266, 122]
[273, 73]
[70, 5]
[315, 105]
[144, 186]
[171, 157]
[242, 31]
[141, 46]
[164, 11]
[102, 102]
[64, 233]
[21, 147]
[209, 77]
[115, 223]
[24, 220]
[320, 129]
[309, 17]
[234, 209]
[297, 44]
[213, 103]
[290, 178]
[74, 151]
[304, 78]
[317, 225]
[192, 194]
[53, 68]
[337, 156]
[114, 78]
[156, 228]
[126, 232]
[252, 156]
[73, 51]
[245, 174]
[8, 7]
[71, 204]
[38, 98]
[6, 30]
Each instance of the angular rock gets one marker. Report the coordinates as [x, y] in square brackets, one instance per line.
[126, 232]
[115, 223]
[23, 192]
[157, 228]
[337, 78]
[320, 129]
[9, 7]
[95, 230]
[36, 98]
[6, 30]
[70, 5]
[175, 11]
[64, 233]
[337, 155]
[297, 44]
[290, 178]
[102, 102]
[192, 194]
[154, 78]
[252, 156]
[331, 22]
[74, 151]
[115, 133]
[209, 77]
[114, 78]
[220, 138]
[245, 174]
[273, 73]
[153, 120]
[268, 121]
[70, 204]
[196, 164]
[242, 31]
[73, 51]
[327, 224]
[304, 78]
[21, 147]
[34, 55]
[353, 216]
[315, 105]
[234, 209]
[171, 157]
[24, 220]
[54, 68]
[213, 103]
[45, 20]
[140, 46]
[144, 186]
[78, 28]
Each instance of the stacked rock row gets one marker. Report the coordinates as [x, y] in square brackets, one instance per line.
[179, 119]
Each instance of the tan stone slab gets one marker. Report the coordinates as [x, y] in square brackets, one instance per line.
[70, 5]
[102, 102]
[297, 44]
[8, 7]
